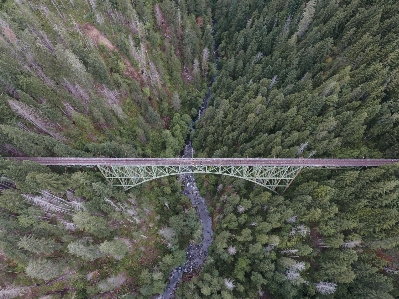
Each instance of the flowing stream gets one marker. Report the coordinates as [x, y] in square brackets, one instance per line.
[196, 253]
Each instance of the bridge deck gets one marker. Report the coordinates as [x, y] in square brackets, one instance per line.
[311, 162]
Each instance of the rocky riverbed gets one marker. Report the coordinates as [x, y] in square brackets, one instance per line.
[196, 253]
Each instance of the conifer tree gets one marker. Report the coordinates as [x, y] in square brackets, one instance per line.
[115, 248]
[43, 269]
[86, 252]
[38, 246]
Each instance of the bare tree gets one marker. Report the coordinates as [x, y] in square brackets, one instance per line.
[31, 115]
[57, 8]
[258, 57]
[273, 81]
[204, 63]
[351, 244]
[45, 205]
[240, 209]
[77, 91]
[289, 251]
[12, 292]
[231, 250]
[326, 288]
[229, 283]
[301, 148]
[287, 25]
[68, 225]
[176, 101]
[301, 230]
[112, 101]
[69, 110]
[293, 273]
[52, 203]
[155, 78]
[11, 150]
[112, 283]
[196, 66]
[43, 39]
[93, 4]
[135, 25]
[179, 22]
[23, 127]
[391, 270]
[307, 17]
[158, 15]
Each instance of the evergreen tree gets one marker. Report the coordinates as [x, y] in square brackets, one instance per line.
[35, 245]
[86, 252]
[115, 248]
[92, 224]
[43, 269]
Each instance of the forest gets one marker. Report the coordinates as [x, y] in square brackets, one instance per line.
[126, 78]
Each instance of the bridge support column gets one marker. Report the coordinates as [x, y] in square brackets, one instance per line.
[270, 177]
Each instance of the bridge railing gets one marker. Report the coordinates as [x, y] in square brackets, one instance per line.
[271, 173]
[310, 162]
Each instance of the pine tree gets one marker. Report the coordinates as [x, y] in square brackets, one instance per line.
[86, 252]
[92, 224]
[43, 269]
[115, 248]
[38, 246]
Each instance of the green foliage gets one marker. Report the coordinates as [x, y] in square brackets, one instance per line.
[12, 201]
[111, 283]
[51, 181]
[95, 225]
[294, 79]
[43, 269]
[98, 69]
[115, 248]
[38, 246]
[86, 252]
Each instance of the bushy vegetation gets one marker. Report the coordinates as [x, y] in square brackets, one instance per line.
[94, 78]
[119, 78]
[303, 79]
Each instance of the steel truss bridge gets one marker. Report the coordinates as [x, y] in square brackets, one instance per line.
[267, 172]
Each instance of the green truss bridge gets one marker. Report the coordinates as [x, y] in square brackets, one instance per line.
[267, 172]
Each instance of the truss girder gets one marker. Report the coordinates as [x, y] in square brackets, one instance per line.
[270, 177]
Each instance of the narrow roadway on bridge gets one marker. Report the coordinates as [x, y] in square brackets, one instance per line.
[310, 162]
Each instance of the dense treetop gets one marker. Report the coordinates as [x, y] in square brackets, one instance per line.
[120, 78]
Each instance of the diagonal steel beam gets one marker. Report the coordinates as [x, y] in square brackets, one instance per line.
[270, 177]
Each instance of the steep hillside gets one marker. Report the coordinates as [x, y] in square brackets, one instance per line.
[95, 78]
[304, 78]
[301, 79]
[101, 77]
[123, 78]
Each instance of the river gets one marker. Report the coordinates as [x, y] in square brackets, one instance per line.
[196, 253]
